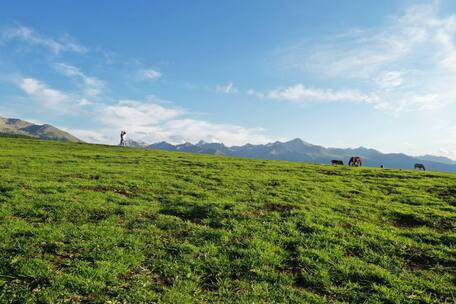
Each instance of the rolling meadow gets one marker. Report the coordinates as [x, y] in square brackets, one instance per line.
[84, 223]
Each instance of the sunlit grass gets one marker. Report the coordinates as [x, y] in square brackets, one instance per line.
[88, 223]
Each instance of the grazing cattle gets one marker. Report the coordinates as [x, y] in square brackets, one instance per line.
[420, 167]
[337, 162]
[381, 166]
[355, 161]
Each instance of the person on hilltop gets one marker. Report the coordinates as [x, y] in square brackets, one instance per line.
[123, 137]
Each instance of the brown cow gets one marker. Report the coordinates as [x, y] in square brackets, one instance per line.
[355, 161]
[337, 162]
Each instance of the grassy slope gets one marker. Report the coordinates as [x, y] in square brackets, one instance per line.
[87, 223]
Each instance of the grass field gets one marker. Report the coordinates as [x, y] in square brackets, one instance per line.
[97, 224]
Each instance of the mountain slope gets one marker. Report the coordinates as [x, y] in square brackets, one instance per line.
[15, 126]
[299, 150]
[439, 159]
[86, 223]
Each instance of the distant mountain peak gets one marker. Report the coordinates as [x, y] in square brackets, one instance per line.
[296, 140]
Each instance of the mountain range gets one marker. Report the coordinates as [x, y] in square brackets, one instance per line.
[293, 150]
[301, 151]
[14, 126]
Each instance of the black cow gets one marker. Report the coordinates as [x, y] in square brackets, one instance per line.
[337, 162]
[420, 167]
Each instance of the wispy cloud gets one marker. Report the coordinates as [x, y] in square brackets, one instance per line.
[50, 98]
[42, 93]
[193, 130]
[147, 120]
[149, 74]
[300, 94]
[409, 64]
[28, 35]
[420, 33]
[92, 86]
[150, 122]
[135, 113]
[93, 136]
[226, 89]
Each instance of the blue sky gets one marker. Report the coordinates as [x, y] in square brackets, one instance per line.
[335, 73]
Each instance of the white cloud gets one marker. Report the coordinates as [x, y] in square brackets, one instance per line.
[149, 74]
[301, 93]
[176, 131]
[386, 99]
[51, 98]
[92, 136]
[30, 36]
[63, 101]
[91, 85]
[447, 153]
[389, 79]
[194, 130]
[151, 122]
[148, 121]
[227, 89]
[130, 113]
[362, 53]
[42, 93]
[409, 64]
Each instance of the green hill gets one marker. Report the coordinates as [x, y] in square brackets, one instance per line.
[90, 224]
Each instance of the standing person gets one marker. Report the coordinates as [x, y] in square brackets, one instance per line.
[123, 141]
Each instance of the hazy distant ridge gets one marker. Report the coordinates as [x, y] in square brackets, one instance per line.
[301, 151]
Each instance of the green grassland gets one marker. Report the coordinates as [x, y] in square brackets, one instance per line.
[99, 224]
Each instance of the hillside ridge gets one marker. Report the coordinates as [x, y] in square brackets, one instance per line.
[15, 126]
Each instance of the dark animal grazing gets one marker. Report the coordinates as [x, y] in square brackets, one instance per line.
[337, 162]
[355, 161]
[381, 166]
[420, 167]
